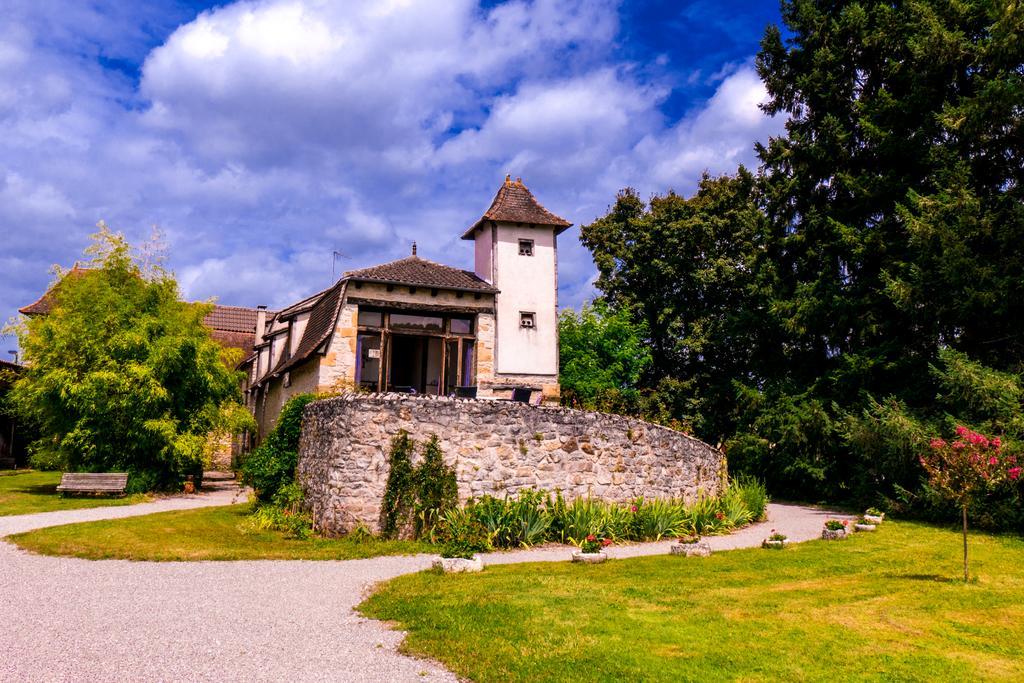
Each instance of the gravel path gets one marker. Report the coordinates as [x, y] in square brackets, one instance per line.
[70, 619]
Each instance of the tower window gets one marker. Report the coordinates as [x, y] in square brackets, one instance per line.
[527, 320]
[526, 247]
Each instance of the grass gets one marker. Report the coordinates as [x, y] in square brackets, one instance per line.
[881, 606]
[214, 533]
[23, 492]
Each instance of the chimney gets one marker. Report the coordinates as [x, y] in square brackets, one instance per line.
[413, 248]
[261, 322]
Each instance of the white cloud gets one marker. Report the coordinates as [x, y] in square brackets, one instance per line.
[263, 135]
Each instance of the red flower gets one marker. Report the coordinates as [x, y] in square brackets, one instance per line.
[846, 522]
[993, 460]
[591, 537]
[996, 443]
[937, 443]
[719, 516]
[606, 542]
[1013, 472]
[633, 509]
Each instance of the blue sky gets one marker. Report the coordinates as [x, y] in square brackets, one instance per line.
[260, 136]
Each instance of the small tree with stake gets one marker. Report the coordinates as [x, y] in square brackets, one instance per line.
[964, 469]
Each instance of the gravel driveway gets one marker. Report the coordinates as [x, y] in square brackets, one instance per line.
[71, 619]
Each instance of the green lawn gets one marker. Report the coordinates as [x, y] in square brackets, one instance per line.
[214, 533]
[23, 492]
[882, 606]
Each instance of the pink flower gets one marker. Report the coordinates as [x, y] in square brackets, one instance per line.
[1014, 472]
[961, 430]
[846, 522]
[633, 509]
[993, 460]
[937, 443]
[591, 537]
[996, 443]
[1012, 459]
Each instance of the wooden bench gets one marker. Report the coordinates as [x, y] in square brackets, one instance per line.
[112, 483]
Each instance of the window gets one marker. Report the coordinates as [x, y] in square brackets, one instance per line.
[526, 247]
[417, 323]
[527, 320]
[461, 325]
[370, 318]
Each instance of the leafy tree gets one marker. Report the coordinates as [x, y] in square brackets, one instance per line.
[881, 233]
[121, 374]
[966, 469]
[687, 270]
[600, 349]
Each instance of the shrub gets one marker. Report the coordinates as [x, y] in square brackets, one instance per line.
[835, 524]
[514, 522]
[656, 519]
[436, 488]
[461, 534]
[400, 489]
[271, 466]
[754, 495]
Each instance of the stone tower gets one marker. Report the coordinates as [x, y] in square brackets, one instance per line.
[517, 251]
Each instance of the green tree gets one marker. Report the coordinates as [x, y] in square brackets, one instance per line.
[600, 349]
[688, 271]
[121, 374]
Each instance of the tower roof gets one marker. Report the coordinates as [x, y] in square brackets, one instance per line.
[514, 203]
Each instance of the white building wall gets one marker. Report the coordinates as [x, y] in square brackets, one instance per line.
[526, 284]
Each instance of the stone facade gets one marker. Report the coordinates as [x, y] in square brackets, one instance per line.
[495, 448]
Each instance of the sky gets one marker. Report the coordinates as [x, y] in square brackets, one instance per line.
[260, 137]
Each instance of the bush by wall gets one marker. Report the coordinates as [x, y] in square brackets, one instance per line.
[271, 466]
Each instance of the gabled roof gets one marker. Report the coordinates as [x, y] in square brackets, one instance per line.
[44, 303]
[514, 203]
[322, 318]
[233, 318]
[418, 272]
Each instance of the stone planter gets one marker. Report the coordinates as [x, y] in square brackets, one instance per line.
[865, 527]
[774, 545]
[833, 534]
[459, 565]
[874, 519]
[698, 549]
[589, 558]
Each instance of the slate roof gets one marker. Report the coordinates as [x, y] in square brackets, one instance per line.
[514, 203]
[418, 272]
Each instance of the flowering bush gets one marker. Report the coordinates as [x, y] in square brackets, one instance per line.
[689, 539]
[964, 470]
[835, 524]
[776, 536]
[594, 544]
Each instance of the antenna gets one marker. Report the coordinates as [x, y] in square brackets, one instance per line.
[335, 255]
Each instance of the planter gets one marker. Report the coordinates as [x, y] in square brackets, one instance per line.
[874, 519]
[459, 565]
[833, 534]
[774, 545]
[589, 558]
[699, 549]
[865, 527]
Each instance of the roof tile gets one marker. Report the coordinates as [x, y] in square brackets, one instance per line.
[418, 272]
[514, 203]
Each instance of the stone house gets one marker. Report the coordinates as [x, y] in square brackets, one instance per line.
[419, 327]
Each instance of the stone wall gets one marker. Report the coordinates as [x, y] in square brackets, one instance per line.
[496, 448]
